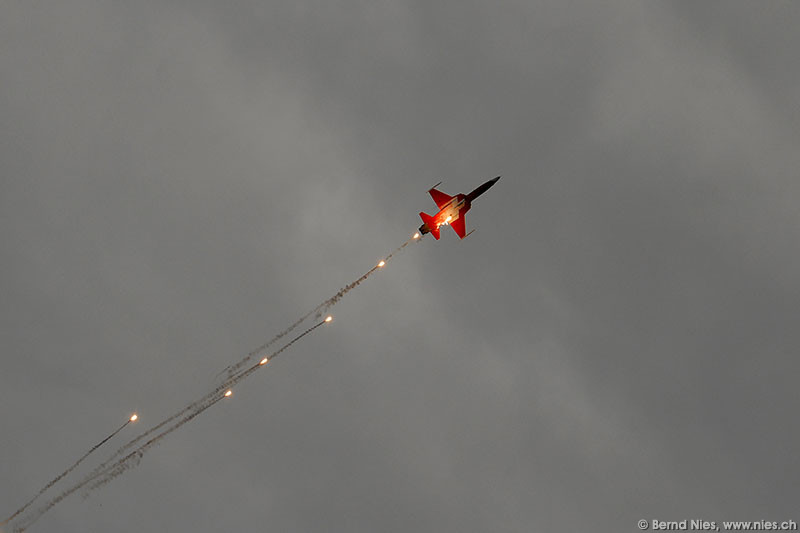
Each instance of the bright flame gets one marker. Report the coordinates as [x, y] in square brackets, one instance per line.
[381, 263]
[328, 318]
[416, 236]
[448, 219]
[264, 361]
[228, 393]
[134, 417]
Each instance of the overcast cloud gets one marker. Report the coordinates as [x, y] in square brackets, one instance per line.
[618, 340]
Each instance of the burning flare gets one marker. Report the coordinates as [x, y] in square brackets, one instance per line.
[134, 417]
[228, 393]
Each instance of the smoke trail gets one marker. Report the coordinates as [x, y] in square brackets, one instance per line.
[318, 310]
[416, 238]
[64, 473]
[235, 369]
[120, 462]
[229, 382]
[197, 407]
[204, 403]
[142, 436]
[113, 469]
[123, 465]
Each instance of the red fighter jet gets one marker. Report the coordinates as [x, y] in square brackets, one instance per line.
[451, 210]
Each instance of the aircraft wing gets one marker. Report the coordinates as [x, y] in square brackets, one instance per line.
[460, 226]
[440, 198]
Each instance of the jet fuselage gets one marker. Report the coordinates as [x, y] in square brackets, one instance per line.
[451, 210]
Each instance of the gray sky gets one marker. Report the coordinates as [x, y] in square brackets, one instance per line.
[618, 339]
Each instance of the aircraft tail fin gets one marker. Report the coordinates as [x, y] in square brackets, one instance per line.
[429, 225]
